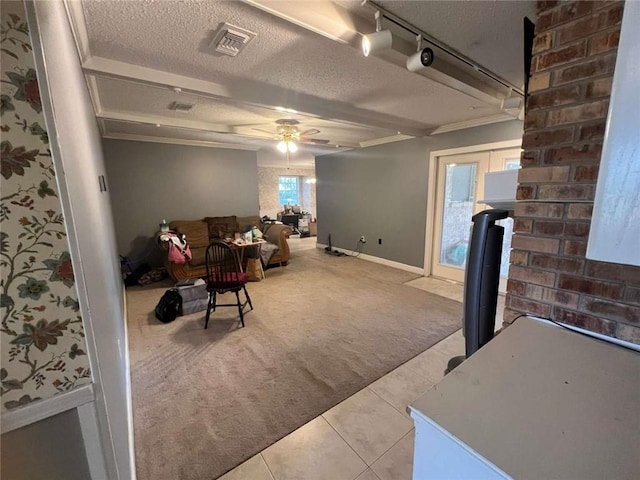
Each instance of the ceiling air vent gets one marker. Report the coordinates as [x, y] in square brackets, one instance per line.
[231, 39]
[181, 107]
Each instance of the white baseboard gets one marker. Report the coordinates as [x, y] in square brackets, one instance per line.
[381, 261]
[41, 409]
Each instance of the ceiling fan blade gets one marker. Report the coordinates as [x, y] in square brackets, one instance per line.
[318, 141]
[311, 131]
[270, 132]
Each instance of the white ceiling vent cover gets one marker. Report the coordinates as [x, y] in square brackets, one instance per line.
[231, 39]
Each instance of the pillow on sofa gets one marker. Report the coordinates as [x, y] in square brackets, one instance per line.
[222, 227]
[195, 230]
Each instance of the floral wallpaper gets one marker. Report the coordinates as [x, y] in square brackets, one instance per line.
[268, 189]
[42, 337]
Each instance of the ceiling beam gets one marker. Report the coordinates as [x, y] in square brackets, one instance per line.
[180, 141]
[247, 92]
[500, 117]
[322, 17]
[169, 122]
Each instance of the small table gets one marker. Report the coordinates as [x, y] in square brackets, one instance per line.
[242, 246]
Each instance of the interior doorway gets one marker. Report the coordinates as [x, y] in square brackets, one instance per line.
[457, 183]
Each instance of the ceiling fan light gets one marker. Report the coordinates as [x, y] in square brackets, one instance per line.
[375, 42]
[293, 148]
[282, 146]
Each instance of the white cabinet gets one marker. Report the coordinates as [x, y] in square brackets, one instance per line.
[500, 189]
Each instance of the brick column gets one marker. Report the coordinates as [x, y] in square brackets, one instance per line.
[572, 70]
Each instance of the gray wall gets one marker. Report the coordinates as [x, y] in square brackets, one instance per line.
[154, 181]
[52, 449]
[381, 191]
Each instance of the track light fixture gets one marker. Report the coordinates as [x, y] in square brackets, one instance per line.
[421, 59]
[378, 41]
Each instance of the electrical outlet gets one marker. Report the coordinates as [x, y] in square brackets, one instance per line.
[362, 239]
[379, 241]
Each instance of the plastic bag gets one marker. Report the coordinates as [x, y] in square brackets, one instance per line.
[178, 255]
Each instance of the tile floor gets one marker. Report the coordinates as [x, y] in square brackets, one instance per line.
[368, 436]
[453, 290]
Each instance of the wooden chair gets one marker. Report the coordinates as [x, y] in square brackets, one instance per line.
[224, 274]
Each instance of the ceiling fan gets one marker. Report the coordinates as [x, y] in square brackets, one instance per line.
[289, 135]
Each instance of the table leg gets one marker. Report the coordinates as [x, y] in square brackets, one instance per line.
[260, 261]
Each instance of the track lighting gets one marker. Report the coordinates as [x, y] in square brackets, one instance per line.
[421, 59]
[376, 42]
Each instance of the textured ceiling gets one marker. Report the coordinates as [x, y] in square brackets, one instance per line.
[118, 96]
[304, 67]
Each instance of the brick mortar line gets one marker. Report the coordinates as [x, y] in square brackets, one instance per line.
[575, 63]
[547, 128]
[571, 63]
[546, 202]
[591, 34]
[586, 141]
[582, 85]
[584, 275]
[550, 147]
[557, 8]
[569, 124]
[576, 83]
[553, 26]
[609, 29]
[577, 103]
[559, 182]
[560, 145]
[586, 59]
[543, 302]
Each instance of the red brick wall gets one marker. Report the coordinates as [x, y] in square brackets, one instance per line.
[572, 69]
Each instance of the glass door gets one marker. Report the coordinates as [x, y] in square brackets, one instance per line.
[460, 179]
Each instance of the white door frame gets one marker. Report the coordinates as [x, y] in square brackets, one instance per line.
[432, 183]
[481, 161]
[107, 423]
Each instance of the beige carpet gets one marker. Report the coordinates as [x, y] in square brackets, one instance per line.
[322, 329]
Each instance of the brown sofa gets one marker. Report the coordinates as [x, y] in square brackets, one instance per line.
[197, 235]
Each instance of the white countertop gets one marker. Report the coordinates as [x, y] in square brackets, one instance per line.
[542, 402]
